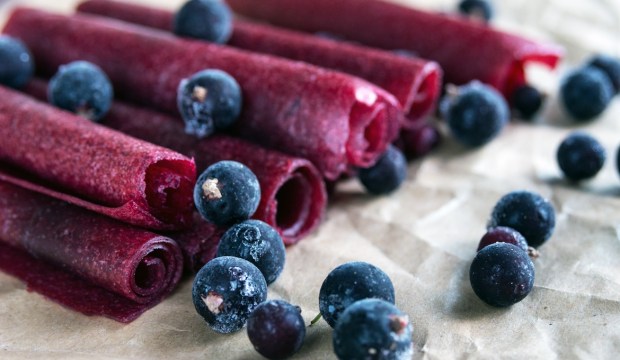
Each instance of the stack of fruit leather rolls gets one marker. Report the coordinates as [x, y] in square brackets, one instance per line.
[293, 195]
[73, 159]
[332, 119]
[84, 261]
[466, 50]
[414, 82]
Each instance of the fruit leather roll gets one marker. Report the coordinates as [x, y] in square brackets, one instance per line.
[68, 157]
[293, 196]
[466, 50]
[84, 261]
[334, 120]
[413, 81]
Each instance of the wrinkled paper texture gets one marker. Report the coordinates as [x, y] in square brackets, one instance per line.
[424, 236]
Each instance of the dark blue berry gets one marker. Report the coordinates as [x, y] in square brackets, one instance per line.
[226, 290]
[502, 274]
[276, 329]
[209, 20]
[349, 283]
[373, 329]
[503, 234]
[479, 9]
[258, 243]
[16, 64]
[610, 66]
[386, 174]
[528, 213]
[475, 113]
[527, 100]
[226, 193]
[83, 88]
[585, 93]
[209, 100]
[580, 156]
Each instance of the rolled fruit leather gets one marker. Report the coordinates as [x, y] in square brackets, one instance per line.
[414, 82]
[332, 119]
[466, 50]
[65, 156]
[82, 260]
[293, 196]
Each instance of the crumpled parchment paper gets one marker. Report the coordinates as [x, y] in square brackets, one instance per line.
[424, 236]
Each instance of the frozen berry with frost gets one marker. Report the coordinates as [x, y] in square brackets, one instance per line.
[349, 283]
[16, 65]
[580, 156]
[476, 113]
[585, 93]
[225, 292]
[529, 213]
[502, 274]
[209, 20]
[373, 329]
[209, 100]
[387, 174]
[258, 243]
[226, 193]
[83, 88]
[276, 329]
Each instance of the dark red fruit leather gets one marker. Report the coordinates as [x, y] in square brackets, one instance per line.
[293, 197]
[413, 81]
[82, 260]
[73, 159]
[199, 244]
[466, 50]
[334, 120]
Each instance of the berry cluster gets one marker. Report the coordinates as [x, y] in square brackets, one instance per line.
[502, 272]
[357, 300]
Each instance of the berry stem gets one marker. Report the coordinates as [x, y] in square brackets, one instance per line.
[316, 319]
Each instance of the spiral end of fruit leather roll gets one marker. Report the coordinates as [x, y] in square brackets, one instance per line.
[374, 121]
[169, 191]
[84, 261]
[424, 95]
[294, 202]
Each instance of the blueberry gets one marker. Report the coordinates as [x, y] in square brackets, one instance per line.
[580, 156]
[349, 283]
[386, 174]
[479, 9]
[16, 65]
[528, 213]
[209, 100]
[585, 93]
[373, 329]
[83, 88]
[226, 193]
[209, 20]
[527, 100]
[610, 66]
[226, 291]
[503, 234]
[258, 243]
[502, 274]
[475, 113]
[276, 329]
